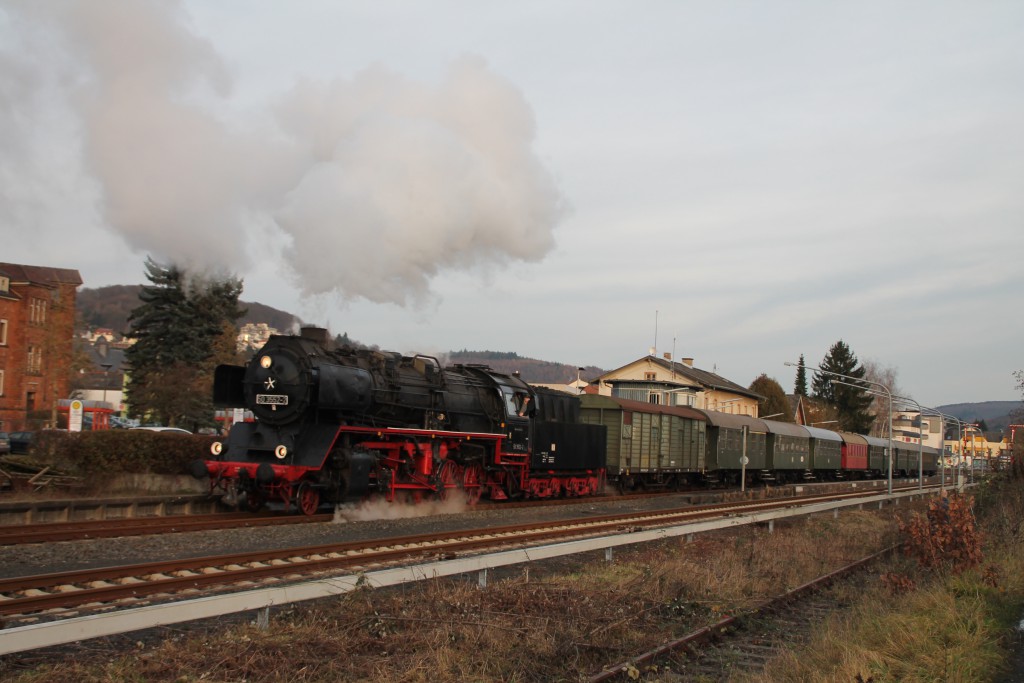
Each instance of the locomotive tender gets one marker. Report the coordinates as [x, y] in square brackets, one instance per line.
[337, 424]
[340, 424]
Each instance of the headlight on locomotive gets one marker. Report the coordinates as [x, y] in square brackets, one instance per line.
[281, 452]
[291, 378]
[216, 447]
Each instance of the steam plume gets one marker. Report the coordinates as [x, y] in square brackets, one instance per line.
[378, 183]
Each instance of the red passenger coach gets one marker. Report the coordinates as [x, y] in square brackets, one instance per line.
[855, 453]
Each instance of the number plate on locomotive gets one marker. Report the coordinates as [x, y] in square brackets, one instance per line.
[271, 399]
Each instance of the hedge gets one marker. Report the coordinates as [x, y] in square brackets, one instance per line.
[92, 455]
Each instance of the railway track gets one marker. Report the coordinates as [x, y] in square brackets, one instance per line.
[742, 643]
[17, 534]
[48, 596]
[44, 532]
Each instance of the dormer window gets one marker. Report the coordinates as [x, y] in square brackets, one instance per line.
[5, 284]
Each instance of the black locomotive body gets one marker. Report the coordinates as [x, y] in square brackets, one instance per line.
[340, 424]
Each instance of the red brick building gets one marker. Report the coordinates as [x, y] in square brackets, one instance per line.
[37, 319]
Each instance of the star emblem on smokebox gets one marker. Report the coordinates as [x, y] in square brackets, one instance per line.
[269, 384]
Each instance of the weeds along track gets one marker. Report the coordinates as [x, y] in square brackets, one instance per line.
[743, 643]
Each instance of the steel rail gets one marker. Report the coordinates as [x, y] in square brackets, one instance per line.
[48, 532]
[31, 594]
[51, 629]
[712, 631]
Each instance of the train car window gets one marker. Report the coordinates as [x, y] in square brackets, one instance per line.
[517, 403]
[510, 400]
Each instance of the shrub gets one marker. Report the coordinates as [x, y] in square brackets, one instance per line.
[94, 455]
[948, 536]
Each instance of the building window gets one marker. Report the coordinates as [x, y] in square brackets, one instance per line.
[37, 311]
[3, 333]
[5, 283]
[35, 360]
[654, 397]
[650, 376]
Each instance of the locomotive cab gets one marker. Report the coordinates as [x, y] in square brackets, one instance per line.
[518, 408]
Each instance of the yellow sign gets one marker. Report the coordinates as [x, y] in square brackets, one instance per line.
[75, 416]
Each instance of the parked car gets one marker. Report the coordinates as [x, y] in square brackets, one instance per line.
[5, 443]
[165, 430]
[21, 442]
[117, 422]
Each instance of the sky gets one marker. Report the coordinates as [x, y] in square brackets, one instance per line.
[578, 182]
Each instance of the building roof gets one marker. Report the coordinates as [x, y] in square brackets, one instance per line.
[40, 275]
[706, 379]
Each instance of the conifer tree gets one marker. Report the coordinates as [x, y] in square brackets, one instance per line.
[800, 388]
[851, 403]
[182, 330]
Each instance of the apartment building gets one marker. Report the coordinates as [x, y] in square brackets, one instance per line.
[37, 315]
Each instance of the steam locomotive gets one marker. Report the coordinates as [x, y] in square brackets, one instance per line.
[335, 424]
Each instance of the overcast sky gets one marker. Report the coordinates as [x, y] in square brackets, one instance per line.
[737, 182]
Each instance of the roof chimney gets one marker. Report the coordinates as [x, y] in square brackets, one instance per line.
[667, 356]
[688, 362]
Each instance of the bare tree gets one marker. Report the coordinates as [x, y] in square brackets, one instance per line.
[887, 376]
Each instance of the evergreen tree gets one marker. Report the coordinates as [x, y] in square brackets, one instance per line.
[774, 402]
[182, 328]
[800, 388]
[851, 403]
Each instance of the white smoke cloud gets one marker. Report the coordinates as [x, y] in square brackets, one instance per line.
[378, 183]
[409, 180]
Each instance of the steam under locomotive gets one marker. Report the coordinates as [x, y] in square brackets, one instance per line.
[335, 424]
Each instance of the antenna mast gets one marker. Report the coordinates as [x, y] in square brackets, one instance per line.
[654, 349]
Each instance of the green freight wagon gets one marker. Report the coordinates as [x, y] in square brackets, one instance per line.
[649, 445]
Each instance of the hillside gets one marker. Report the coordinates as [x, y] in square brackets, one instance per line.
[110, 307]
[998, 415]
[530, 369]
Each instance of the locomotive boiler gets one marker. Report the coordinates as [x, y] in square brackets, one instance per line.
[336, 424]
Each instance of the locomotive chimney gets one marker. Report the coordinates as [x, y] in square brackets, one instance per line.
[320, 335]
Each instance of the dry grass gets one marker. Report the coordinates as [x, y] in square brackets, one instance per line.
[540, 624]
[953, 627]
[560, 621]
